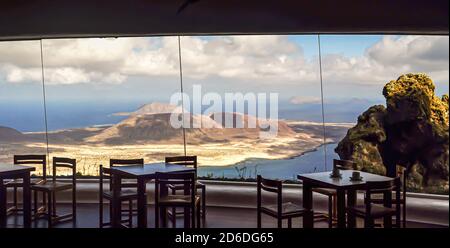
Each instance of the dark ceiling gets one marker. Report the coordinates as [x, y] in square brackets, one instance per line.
[35, 19]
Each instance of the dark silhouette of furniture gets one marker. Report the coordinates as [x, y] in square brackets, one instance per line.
[129, 183]
[344, 186]
[189, 200]
[378, 198]
[121, 196]
[51, 187]
[281, 210]
[332, 194]
[371, 211]
[39, 161]
[143, 174]
[16, 172]
[188, 161]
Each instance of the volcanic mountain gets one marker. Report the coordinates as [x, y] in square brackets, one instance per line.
[8, 134]
[148, 125]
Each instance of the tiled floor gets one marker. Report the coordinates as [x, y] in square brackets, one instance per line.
[217, 217]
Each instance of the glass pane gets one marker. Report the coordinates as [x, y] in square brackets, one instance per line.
[108, 98]
[22, 123]
[241, 72]
[356, 70]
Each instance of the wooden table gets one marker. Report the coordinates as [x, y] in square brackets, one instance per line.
[342, 186]
[143, 174]
[9, 171]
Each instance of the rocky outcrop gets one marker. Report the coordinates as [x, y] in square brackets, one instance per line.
[411, 131]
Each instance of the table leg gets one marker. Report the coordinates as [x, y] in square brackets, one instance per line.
[2, 204]
[141, 204]
[308, 218]
[341, 208]
[351, 201]
[26, 194]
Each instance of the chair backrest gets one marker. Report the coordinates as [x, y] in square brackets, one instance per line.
[40, 160]
[269, 185]
[189, 161]
[344, 164]
[126, 162]
[105, 173]
[187, 179]
[385, 188]
[65, 163]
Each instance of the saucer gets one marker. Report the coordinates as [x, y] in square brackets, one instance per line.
[356, 179]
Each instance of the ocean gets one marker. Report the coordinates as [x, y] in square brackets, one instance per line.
[285, 169]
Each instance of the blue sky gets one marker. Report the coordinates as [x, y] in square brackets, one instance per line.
[148, 67]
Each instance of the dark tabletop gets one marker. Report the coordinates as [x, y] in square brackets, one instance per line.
[9, 169]
[14, 167]
[323, 179]
[149, 170]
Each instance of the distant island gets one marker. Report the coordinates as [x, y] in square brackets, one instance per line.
[147, 133]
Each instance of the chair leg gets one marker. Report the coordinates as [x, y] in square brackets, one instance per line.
[174, 217]
[36, 199]
[290, 223]
[280, 222]
[369, 222]
[44, 199]
[334, 207]
[100, 212]
[15, 198]
[157, 216]
[258, 218]
[404, 215]
[330, 211]
[204, 202]
[193, 210]
[130, 213]
[174, 211]
[74, 205]
[198, 216]
[50, 211]
[54, 203]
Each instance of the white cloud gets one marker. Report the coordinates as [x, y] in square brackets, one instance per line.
[255, 59]
[305, 100]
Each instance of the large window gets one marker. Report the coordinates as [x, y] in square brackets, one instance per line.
[116, 98]
[22, 122]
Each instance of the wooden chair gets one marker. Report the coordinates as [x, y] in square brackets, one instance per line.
[281, 210]
[189, 200]
[188, 161]
[332, 194]
[371, 211]
[131, 183]
[401, 173]
[123, 196]
[35, 160]
[50, 188]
